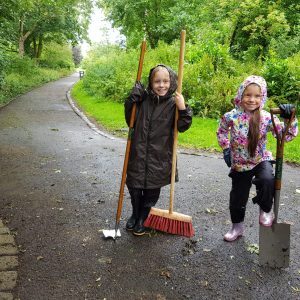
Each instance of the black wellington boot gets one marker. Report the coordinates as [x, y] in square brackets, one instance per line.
[139, 228]
[134, 217]
[131, 222]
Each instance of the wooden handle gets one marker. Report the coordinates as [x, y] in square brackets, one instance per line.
[130, 132]
[280, 139]
[279, 156]
[179, 89]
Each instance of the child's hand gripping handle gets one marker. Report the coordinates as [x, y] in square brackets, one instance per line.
[128, 145]
[279, 155]
[179, 90]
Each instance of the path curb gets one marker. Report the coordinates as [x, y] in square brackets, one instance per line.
[8, 263]
[85, 118]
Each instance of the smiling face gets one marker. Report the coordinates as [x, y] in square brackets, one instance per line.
[161, 81]
[252, 98]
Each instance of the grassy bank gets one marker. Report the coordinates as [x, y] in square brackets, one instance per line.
[17, 84]
[201, 135]
[18, 74]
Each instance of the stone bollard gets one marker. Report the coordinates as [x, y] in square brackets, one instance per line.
[81, 74]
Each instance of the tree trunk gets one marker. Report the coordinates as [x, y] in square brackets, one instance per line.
[22, 38]
[21, 46]
[40, 46]
[34, 47]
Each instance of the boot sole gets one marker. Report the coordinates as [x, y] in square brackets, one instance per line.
[239, 236]
[266, 225]
[140, 233]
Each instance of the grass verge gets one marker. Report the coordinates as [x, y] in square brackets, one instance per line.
[201, 135]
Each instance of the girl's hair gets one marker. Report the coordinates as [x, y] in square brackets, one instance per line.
[253, 133]
[154, 71]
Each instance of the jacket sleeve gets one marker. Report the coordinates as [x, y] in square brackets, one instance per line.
[184, 119]
[292, 132]
[223, 132]
[127, 109]
[137, 92]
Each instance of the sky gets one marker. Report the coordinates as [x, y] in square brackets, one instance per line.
[101, 31]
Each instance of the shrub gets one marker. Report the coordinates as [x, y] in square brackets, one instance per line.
[57, 56]
[283, 81]
[211, 75]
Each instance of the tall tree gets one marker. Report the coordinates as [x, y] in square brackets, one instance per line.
[33, 21]
[156, 19]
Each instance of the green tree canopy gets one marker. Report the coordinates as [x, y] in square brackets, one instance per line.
[26, 24]
[250, 28]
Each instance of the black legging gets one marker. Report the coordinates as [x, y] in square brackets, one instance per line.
[241, 184]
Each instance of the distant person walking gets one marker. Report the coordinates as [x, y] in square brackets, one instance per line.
[246, 154]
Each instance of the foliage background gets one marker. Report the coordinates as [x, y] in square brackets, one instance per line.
[36, 42]
[211, 74]
[226, 42]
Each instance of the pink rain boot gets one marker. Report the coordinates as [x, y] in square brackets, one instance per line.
[236, 231]
[266, 219]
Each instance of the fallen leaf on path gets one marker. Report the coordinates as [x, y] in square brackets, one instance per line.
[211, 211]
[204, 283]
[253, 248]
[296, 289]
[104, 260]
[206, 250]
[165, 274]
[298, 191]
[39, 258]
[54, 129]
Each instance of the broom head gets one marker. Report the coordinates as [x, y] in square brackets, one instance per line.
[174, 223]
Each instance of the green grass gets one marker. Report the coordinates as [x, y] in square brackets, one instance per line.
[201, 135]
[17, 83]
[107, 113]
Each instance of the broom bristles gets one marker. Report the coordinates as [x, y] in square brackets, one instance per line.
[174, 223]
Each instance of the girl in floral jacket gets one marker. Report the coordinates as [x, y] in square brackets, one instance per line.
[245, 151]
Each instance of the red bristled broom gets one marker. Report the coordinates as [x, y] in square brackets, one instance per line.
[167, 220]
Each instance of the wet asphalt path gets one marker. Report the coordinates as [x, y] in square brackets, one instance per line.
[59, 187]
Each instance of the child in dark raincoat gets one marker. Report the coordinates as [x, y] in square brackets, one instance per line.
[245, 152]
[150, 160]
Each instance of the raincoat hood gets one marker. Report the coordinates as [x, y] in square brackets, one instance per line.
[173, 83]
[260, 81]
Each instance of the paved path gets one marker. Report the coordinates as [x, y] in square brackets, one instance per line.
[59, 185]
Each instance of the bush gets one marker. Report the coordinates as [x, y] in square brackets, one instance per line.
[283, 81]
[211, 75]
[18, 75]
[57, 56]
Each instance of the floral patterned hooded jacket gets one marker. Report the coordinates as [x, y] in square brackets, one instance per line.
[236, 124]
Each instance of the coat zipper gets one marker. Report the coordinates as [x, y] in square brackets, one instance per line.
[147, 141]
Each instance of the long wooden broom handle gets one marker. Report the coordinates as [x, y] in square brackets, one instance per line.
[130, 132]
[179, 90]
